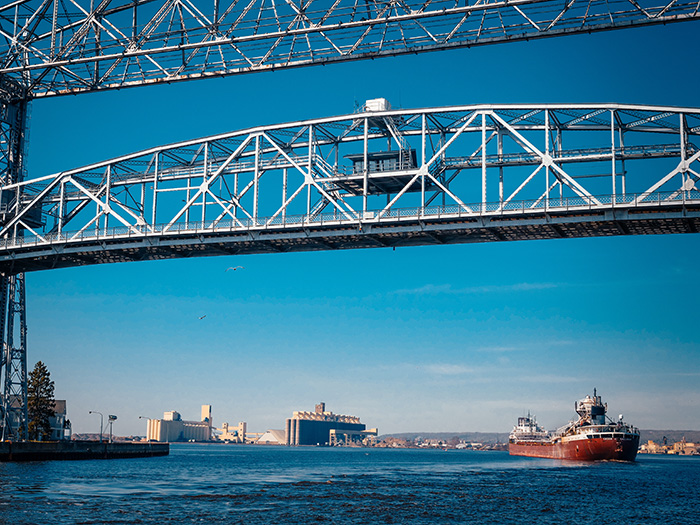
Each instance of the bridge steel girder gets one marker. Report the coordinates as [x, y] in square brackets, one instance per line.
[375, 178]
[70, 47]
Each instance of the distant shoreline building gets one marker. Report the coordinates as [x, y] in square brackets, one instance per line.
[231, 434]
[326, 428]
[272, 437]
[680, 448]
[60, 425]
[172, 428]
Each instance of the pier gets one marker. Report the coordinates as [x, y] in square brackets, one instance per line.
[54, 450]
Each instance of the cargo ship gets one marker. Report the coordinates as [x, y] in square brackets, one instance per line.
[592, 437]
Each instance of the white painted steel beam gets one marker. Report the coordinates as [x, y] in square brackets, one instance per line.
[70, 47]
[256, 181]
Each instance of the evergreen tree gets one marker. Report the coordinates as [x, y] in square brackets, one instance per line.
[40, 402]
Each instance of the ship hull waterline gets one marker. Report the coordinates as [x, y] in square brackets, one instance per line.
[595, 449]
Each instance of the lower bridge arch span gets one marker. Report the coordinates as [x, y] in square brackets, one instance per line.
[375, 178]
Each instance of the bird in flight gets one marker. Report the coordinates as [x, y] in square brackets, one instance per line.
[202, 317]
[234, 268]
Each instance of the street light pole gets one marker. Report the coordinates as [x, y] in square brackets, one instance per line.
[101, 420]
[111, 418]
[148, 424]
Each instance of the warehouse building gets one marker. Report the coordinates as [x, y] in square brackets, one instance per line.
[173, 428]
[231, 434]
[317, 427]
[272, 437]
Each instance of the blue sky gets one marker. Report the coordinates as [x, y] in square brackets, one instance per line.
[448, 338]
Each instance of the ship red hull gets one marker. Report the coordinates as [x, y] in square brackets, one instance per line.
[596, 449]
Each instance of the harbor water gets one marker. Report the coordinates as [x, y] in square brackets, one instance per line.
[261, 485]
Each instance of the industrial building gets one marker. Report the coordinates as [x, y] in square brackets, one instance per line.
[339, 438]
[325, 428]
[232, 434]
[173, 428]
[272, 437]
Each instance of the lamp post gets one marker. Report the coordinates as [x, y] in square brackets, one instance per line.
[111, 418]
[101, 420]
[148, 424]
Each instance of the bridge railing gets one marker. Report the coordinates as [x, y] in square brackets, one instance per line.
[436, 212]
[570, 155]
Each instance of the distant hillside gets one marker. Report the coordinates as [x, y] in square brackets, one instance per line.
[469, 437]
[105, 437]
[691, 436]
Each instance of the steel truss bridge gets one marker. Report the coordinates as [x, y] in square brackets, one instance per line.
[373, 178]
[434, 176]
[68, 46]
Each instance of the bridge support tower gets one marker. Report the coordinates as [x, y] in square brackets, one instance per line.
[14, 104]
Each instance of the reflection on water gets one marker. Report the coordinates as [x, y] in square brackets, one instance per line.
[236, 484]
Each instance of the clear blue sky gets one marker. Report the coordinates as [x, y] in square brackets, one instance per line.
[449, 338]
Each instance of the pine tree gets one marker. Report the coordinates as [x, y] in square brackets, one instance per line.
[40, 402]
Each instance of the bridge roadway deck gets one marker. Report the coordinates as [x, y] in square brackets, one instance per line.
[443, 225]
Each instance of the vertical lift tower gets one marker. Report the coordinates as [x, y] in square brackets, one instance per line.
[14, 104]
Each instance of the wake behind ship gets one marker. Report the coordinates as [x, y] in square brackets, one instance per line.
[593, 436]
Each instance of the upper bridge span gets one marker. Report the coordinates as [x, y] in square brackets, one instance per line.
[54, 48]
[376, 178]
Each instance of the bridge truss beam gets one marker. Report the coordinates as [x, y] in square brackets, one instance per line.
[61, 47]
[375, 178]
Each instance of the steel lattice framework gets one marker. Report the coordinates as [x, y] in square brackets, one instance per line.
[14, 105]
[376, 178]
[13, 324]
[55, 47]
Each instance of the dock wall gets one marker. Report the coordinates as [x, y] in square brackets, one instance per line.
[51, 450]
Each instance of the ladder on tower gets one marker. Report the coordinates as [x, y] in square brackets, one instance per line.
[405, 156]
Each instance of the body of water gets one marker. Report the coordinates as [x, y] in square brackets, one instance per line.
[261, 485]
